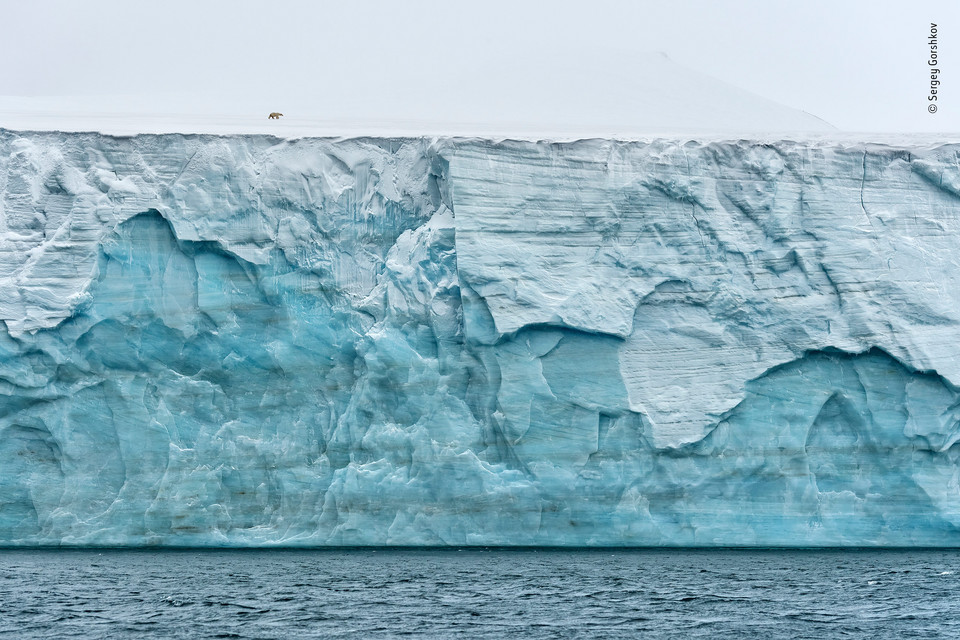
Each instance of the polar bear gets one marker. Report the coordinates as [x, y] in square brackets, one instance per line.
[274, 116]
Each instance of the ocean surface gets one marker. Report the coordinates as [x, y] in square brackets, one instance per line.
[479, 593]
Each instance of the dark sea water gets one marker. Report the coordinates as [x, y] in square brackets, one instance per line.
[479, 593]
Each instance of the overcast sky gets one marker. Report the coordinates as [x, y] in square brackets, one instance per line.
[860, 65]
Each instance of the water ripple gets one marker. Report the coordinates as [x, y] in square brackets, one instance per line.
[478, 594]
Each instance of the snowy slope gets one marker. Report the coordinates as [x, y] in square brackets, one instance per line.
[567, 99]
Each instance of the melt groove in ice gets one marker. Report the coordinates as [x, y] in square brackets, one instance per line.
[243, 341]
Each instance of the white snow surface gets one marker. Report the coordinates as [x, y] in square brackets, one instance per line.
[658, 97]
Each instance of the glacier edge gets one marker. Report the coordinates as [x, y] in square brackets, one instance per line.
[243, 341]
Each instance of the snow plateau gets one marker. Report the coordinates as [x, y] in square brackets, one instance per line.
[247, 341]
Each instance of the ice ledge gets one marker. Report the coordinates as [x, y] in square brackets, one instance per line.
[63, 194]
[700, 257]
[715, 262]
[316, 342]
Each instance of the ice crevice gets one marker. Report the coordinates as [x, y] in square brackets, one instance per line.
[245, 341]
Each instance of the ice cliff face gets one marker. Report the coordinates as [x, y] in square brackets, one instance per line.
[244, 341]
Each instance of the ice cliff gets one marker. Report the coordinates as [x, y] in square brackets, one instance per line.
[245, 341]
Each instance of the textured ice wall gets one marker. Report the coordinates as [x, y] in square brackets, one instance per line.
[247, 341]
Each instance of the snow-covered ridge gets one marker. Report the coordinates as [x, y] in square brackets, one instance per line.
[248, 340]
[576, 96]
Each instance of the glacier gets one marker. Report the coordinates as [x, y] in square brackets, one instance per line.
[253, 341]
